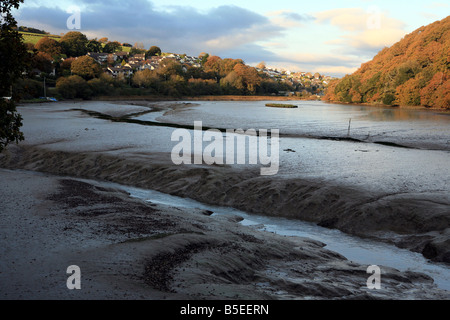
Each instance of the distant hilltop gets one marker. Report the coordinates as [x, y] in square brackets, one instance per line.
[413, 72]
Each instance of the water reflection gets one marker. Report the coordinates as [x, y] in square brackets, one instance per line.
[417, 128]
[383, 114]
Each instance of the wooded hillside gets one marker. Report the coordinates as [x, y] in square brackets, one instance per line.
[413, 72]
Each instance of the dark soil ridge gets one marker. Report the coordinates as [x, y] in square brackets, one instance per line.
[411, 221]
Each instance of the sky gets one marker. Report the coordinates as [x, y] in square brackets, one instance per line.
[327, 36]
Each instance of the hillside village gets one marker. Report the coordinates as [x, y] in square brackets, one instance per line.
[122, 64]
[301, 81]
[72, 66]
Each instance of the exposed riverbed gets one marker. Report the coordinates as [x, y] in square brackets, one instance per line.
[368, 186]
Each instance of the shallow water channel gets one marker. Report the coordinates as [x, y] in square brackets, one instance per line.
[362, 251]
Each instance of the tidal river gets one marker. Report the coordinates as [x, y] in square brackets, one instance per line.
[391, 160]
[389, 146]
[396, 151]
[365, 252]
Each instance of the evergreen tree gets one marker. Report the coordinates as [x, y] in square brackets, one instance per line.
[13, 62]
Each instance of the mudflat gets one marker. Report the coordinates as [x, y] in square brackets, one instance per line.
[132, 249]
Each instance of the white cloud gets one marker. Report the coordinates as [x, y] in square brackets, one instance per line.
[367, 30]
[375, 39]
[250, 35]
[438, 5]
[288, 18]
[336, 70]
[321, 59]
[177, 29]
[328, 64]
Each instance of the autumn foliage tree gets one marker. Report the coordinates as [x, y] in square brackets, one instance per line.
[170, 67]
[414, 71]
[43, 62]
[73, 87]
[74, 44]
[65, 66]
[204, 87]
[94, 46]
[145, 78]
[220, 67]
[49, 46]
[112, 47]
[153, 51]
[249, 77]
[437, 91]
[86, 67]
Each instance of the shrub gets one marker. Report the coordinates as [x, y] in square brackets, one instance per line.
[73, 87]
[388, 99]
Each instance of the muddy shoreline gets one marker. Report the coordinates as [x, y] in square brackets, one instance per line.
[418, 222]
[412, 221]
[130, 249]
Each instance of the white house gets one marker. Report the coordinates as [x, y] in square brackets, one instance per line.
[116, 71]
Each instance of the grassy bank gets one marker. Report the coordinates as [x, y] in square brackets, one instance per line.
[33, 38]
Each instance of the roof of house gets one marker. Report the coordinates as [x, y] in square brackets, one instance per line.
[97, 54]
[119, 69]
